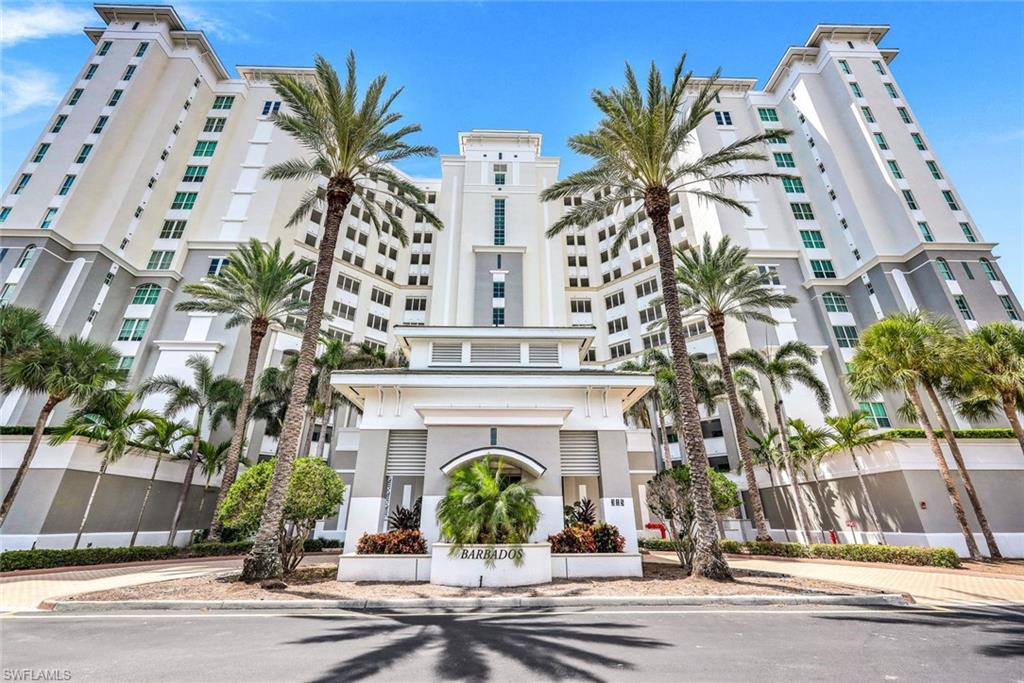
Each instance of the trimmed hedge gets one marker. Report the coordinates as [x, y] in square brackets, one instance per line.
[23, 430]
[657, 544]
[855, 552]
[49, 558]
[991, 433]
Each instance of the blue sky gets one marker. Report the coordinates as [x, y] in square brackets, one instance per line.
[531, 65]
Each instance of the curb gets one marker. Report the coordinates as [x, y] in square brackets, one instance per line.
[100, 606]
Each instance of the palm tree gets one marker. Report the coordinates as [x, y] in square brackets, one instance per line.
[213, 458]
[62, 369]
[848, 433]
[638, 148]
[655, 363]
[351, 145]
[204, 394]
[159, 437]
[482, 505]
[339, 355]
[897, 354]
[21, 329]
[718, 283]
[998, 348]
[259, 287]
[766, 453]
[808, 446]
[786, 366]
[110, 420]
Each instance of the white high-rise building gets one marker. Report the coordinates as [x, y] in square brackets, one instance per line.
[151, 171]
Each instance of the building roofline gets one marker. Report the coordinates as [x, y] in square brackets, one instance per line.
[810, 48]
[517, 134]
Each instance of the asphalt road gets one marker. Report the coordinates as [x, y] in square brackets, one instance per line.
[765, 644]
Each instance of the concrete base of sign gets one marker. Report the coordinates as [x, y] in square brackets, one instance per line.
[469, 565]
[573, 565]
[384, 568]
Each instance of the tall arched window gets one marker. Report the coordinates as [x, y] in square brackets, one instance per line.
[26, 256]
[990, 272]
[944, 269]
[146, 294]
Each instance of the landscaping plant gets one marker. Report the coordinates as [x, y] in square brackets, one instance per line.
[406, 518]
[394, 542]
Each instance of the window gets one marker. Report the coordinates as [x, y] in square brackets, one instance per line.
[160, 260]
[767, 114]
[878, 67]
[125, 362]
[146, 294]
[65, 186]
[895, 168]
[770, 273]
[346, 312]
[194, 174]
[655, 340]
[26, 257]
[101, 123]
[83, 154]
[784, 160]
[48, 218]
[856, 90]
[4, 213]
[205, 148]
[792, 185]
[76, 95]
[835, 302]
[868, 115]
[271, 107]
[965, 311]
[990, 272]
[904, 115]
[379, 296]
[646, 287]
[500, 171]
[499, 221]
[875, 412]
[214, 124]
[223, 102]
[348, 284]
[6, 294]
[846, 336]
[172, 230]
[416, 303]
[918, 141]
[41, 152]
[217, 264]
[891, 90]
[22, 182]
[184, 200]
[617, 325]
[926, 232]
[58, 123]
[823, 268]
[90, 72]
[802, 211]
[968, 232]
[115, 97]
[104, 48]
[1009, 308]
[845, 66]
[934, 168]
[944, 269]
[580, 305]
[950, 200]
[132, 329]
[880, 141]
[776, 138]
[812, 239]
[651, 314]
[498, 316]
[621, 349]
[498, 290]
[908, 196]
[723, 118]
[128, 73]
[141, 49]
[615, 299]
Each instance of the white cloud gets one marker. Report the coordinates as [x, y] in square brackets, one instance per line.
[21, 22]
[23, 87]
[201, 19]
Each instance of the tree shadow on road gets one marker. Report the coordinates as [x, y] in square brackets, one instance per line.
[466, 646]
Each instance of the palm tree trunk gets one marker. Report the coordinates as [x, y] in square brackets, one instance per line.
[1010, 408]
[965, 476]
[145, 500]
[206, 489]
[778, 504]
[257, 331]
[307, 443]
[264, 560]
[947, 478]
[186, 484]
[800, 516]
[26, 460]
[867, 497]
[88, 504]
[708, 560]
[823, 502]
[322, 443]
[666, 451]
[717, 324]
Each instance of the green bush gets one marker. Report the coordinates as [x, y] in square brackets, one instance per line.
[23, 430]
[607, 538]
[990, 433]
[855, 552]
[394, 542]
[215, 549]
[12, 560]
[659, 544]
[575, 539]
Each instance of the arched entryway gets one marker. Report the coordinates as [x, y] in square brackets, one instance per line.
[505, 455]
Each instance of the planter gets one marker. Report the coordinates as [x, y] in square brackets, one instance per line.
[353, 567]
[579, 565]
[469, 566]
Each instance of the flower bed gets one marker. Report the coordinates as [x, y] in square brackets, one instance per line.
[580, 538]
[394, 542]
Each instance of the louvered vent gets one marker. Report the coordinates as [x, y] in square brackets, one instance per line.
[579, 454]
[495, 354]
[446, 354]
[546, 354]
[407, 453]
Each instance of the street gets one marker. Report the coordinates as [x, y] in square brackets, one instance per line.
[762, 644]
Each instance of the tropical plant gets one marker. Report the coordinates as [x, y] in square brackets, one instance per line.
[607, 538]
[642, 154]
[337, 355]
[213, 458]
[160, 437]
[658, 364]
[849, 433]
[783, 368]
[206, 393]
[393, 542]
[808, 447]
[766, 452]
[717, 283]
[350, 144]
[259, 287]
[406, 518]
[21, 329]
[998, 351]
[582, 512]
[110, 420]
[62, 369]
[273, 393]
[898, 353]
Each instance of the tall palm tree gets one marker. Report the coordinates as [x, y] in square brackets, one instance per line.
[110, 420]
[259, 287]
[62, 369]
[350, 144]
[788, 365]
[998, 348]
[718, 283]
[808, 447]
[849, 433]
[204, 394]
[159, 437]
[766, 452]
[897, 354]
[638, 148]
[339, 355]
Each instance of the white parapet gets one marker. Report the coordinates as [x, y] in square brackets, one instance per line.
[581, 565]
[497, 565]
[352, 567]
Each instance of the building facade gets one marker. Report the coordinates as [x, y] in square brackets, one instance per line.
[150, 172]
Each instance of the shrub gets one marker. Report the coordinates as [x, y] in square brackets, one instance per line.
[607, 538]
[855, 552]
[406, 518]
[987, 433]
[581, 512]
[659, 544]
[394, 542]
[214, 549]
[12, 560]
[575, 539]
